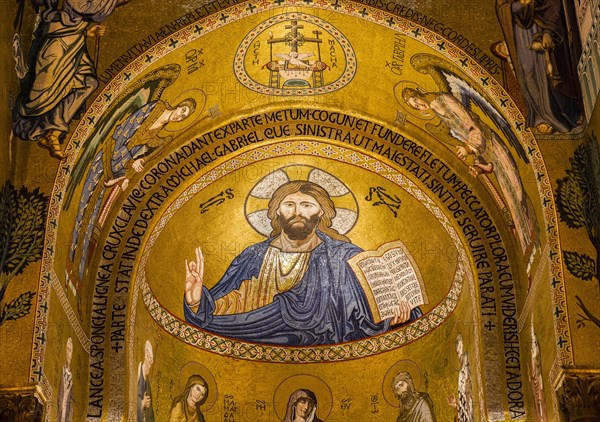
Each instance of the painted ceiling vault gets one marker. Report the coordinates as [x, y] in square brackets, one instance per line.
[300, 211]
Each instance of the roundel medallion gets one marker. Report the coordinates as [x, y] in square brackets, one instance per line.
[295, 54]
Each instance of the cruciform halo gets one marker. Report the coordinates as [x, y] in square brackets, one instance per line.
[256, 206]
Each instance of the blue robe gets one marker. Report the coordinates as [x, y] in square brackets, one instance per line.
[327, 306]
[123, 151]
[144, 389]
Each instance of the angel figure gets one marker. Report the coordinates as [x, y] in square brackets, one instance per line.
[490, 154]
[133, 142]
[120, 143]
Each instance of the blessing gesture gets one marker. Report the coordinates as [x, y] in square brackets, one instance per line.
[194, 277]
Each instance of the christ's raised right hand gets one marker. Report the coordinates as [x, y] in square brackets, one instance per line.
[194, 277]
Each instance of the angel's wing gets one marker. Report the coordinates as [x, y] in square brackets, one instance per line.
[468, 95]
[149, 88]
[449, 81]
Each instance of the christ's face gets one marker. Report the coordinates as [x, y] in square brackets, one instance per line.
[299, 214]
[303, 408]
[417, 103]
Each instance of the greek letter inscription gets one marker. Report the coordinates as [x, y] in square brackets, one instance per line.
[216, 200]
[192, 60]
[383, 198]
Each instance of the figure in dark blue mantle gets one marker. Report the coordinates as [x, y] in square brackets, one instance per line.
[296, 288]
[133, 142]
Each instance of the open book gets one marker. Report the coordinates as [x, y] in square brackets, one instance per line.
[388, 276]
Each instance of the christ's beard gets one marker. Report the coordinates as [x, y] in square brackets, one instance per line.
[299, 228]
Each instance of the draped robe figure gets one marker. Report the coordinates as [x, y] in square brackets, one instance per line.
[66, 402]
[183, 412]
[547, 77]
[413, 406]
[144, 389]
[465, 391]
[536, 377]
[61, 73]
[291, 410]
[131, 140]
[487, 149]
[421, 410]
[307, 298]
[181, 408]
[296, 288]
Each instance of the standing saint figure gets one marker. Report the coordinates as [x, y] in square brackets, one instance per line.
[302, 407]
[145, 410]
[186, 406]
[295, 288]
[65, 389]
[464, 403]
[413, 406]
[536, 377]
[538, 42]
[61, 74]
[133, 142]
[490, 154]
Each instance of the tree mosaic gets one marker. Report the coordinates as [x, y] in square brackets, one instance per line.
[22, 217]
[578, 202]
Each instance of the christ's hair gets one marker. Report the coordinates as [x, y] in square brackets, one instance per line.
[307, 188]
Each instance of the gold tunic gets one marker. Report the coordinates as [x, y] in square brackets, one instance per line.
[279, 272]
